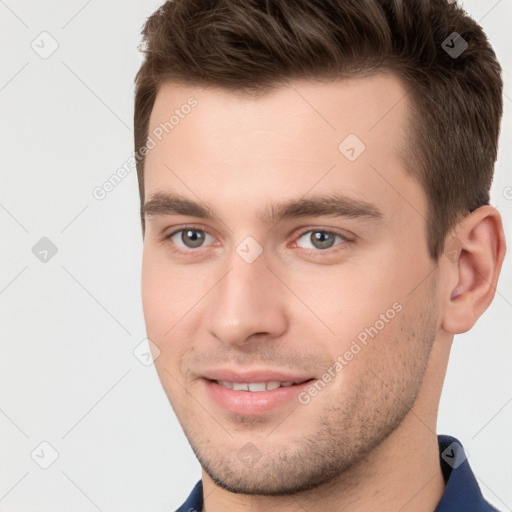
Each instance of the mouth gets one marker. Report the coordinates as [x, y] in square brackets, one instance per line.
[254, 398]
[257, 387]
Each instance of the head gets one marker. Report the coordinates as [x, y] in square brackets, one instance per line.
[311, 175]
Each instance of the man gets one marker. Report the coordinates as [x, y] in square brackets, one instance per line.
[314, 180]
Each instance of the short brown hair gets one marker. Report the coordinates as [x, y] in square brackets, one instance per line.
[252, 46]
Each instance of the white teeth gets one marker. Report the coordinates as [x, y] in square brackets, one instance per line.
[257, 386]
[254, 386]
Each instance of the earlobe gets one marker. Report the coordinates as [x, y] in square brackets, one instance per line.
[473, 260]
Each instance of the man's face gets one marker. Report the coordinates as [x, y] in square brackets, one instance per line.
[278, 283]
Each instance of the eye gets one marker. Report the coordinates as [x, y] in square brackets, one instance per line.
[190, 238]
[320, 239]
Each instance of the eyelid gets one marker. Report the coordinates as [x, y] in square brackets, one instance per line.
[184, 227]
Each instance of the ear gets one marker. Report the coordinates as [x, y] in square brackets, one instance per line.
[474, 253]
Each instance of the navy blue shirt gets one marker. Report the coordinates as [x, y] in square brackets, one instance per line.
[461, 494]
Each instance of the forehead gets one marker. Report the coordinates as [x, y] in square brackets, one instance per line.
[347, 135]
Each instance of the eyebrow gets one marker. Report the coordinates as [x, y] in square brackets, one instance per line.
[333, 205]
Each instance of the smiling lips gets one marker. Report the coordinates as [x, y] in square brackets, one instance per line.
[253, 392]
[254, 380]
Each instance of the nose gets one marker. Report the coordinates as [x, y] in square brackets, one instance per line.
[248, 301]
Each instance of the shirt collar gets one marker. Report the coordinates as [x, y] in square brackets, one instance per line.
[462, 491]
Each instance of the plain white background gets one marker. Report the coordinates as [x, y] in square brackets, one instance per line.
[69, 326]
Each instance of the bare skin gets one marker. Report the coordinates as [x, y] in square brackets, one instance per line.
[366, 440]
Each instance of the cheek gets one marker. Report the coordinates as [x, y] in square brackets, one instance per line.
[153, 292]
[162, 302]
[162, 286]
[169, 299]
[368, 310]
[387, 365]
[349, 299]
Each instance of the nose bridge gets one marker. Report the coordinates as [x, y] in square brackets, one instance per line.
[246, 301]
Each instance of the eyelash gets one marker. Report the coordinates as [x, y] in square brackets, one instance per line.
[330, 250]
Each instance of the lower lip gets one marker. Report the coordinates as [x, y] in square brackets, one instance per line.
[252, 402]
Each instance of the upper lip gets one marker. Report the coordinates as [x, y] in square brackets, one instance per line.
[255, 375]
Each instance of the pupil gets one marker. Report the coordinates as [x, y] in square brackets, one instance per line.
[192, 238]
[322, 240]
